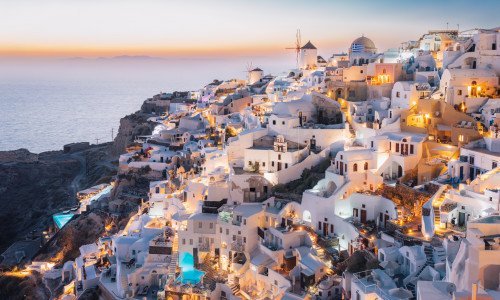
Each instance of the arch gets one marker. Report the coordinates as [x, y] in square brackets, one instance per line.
[366, 166]
[355, 167]
[306, 216]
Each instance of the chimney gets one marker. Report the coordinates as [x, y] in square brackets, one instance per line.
[474, 291]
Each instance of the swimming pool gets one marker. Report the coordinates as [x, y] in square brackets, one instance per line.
[61, 220]
[189, 273]
[103, 192]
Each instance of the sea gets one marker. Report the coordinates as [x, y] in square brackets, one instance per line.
[47, 103]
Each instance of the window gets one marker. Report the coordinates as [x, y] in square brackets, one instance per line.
[252, 189]
[184, 241]
[411, 149]
[361, 71]
[459, 92]
[371, 144]
[200, 240]
[283, 123]
[272, 163]
[249, 162]
[494, 46]
[220, 230]
[190, 241]
[345, 167]
[494, 165]
[397, 147]
[234, 237]
[398, 94]
[244, 221]
[227, 231]
[471, 160]
[211, 225]
[355, 167]
[274, 122]
[351, 94]
[244, 239]
[279, 156]
[263, 163]
[200, 224]
[366, 165]
[331, 228]
[319, 225]
[286, 165]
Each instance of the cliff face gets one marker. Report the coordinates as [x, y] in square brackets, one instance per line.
[131, 126]
[32, 188]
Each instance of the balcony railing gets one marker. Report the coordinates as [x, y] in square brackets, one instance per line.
[238, 247]
[204, 248]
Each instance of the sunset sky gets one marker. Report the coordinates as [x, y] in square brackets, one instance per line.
[92, 28]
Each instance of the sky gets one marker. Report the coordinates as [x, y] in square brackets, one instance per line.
[200, 28]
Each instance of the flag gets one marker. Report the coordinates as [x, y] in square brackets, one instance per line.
[357, 47]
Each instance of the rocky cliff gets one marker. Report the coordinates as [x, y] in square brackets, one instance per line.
[32, 188]
[133, 125]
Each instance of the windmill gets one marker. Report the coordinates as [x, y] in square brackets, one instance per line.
[249, 70]
[297, 47]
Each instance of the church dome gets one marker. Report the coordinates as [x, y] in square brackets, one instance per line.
[363, 44]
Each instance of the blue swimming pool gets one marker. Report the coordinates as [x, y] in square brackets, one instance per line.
[61, 220]
[189, 273]
[103, 192]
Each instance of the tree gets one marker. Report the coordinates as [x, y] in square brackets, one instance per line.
[357, 263]
[372, 264]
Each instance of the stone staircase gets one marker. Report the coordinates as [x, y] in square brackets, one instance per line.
[172, 267]
[235, 287]
[441, 253]
[436, 204]
[429, 255]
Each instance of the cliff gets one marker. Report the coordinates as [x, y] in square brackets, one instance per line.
[133, 125]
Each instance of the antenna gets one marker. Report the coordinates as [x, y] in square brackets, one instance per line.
[97, 141]
[297, 47]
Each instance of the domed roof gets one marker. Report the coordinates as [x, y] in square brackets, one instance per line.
[367, 44]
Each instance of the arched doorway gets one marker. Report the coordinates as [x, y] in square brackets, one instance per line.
[339, 93]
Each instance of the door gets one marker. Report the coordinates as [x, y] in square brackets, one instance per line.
[461, 172]
[471, 173]
[279, 166]
[355, 212]
[363, 216]
[461, 219]
[400, 171]
[341, 168]
[325, 229]
[386, 220]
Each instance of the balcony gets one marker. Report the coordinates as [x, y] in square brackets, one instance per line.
[238, 247]
[204, 248]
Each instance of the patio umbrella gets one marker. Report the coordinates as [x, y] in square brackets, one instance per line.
[490, 210]
[400, 293]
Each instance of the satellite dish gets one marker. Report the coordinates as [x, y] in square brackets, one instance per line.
[451, 288]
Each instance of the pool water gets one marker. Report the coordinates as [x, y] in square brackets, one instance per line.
[103, 192]
[189, 273]
[61, 220]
